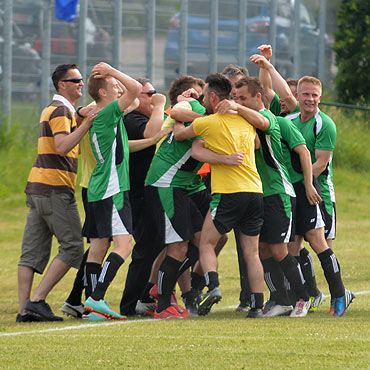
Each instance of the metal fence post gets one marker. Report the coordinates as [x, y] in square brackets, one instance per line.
[45, 54]
[150, 37]
[82, 46]
[184, 13]
[117, 34]
[213, 36]
[322, 26]
[272, 31]
[297, 29]
[7, 61]
[242, 57]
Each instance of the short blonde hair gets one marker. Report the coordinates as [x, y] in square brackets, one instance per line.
[309, 79]
[94, 85]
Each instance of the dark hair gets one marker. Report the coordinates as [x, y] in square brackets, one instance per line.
[143, 80]
[253, 84]
[182, 84]
[94, 85]
[219, 84]
[60, 73]
[292, 82]
[233, 71]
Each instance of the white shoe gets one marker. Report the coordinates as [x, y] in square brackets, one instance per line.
[301, 308]
[278, 310]
[75, 311]
[145, 309]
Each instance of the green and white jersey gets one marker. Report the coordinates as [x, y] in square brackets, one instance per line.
[172, 164]
[109, 143]
[320, 133]
[270, 160]
[290, 138]
[275, 107]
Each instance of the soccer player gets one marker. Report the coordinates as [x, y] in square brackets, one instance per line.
[235, 203]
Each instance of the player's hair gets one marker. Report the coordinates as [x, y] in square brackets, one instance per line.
[253, 84]
[182, 84]
[143, 80]
[292, 82]
[95, 84]
[219, 84]
[233, 71]
[61, 72]
[309, 79]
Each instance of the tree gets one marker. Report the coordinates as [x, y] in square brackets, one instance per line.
[352, 47]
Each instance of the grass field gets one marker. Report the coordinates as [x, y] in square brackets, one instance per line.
[222, 340]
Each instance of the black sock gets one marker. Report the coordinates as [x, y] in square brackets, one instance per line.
[198, 282]
[192, 256]
[108, 272]
[293, 273]
[145, 297]
[92, 272]
[167, 276]
[274, 278]
[78, 285]
[308, 271]
[256, 301]
[211, 280]
[332, 273]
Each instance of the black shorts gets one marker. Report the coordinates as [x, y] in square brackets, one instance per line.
[176, 215]
[110, 217]
[278, 219]
[202, 199]
[308, 217]
[330, 220]
[243, 211]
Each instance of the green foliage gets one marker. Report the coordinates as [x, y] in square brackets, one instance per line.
[352, 42]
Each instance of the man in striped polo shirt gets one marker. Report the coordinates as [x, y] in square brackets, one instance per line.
[50, 198]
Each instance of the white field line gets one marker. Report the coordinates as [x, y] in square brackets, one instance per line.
[121, 322]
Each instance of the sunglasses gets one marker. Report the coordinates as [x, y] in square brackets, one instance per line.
[74, 80]
[150, 92]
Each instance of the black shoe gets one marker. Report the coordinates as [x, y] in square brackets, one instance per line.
[208, 300]
[25, 318]
[255, 313]
[190, 302]
[41, 310]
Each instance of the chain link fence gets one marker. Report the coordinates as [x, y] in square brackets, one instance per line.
[159, 39]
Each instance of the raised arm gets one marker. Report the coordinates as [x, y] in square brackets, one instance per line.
[264, 75]
[184, 115]
[202, 154]
[156, 118]
[280, 84]
[133, 88]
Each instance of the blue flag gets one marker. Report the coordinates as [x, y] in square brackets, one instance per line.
[66, 10]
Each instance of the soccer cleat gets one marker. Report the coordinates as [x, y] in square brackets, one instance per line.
[169, 313]
[74, 311]
[96, 316]
[332, 306]
[154, 294]
[145, 309]
[342, 303]
[255, 313]
[208, 300]
[279, 310]
[181, 310]
[268, 305]
[103, 308]
[316, 302]
[301, 308]
[41, 311]
[243, 307]
[25, 318]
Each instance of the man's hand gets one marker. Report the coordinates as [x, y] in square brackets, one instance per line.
[162, 133]
[158, 100]
[225, 106]
[86, 110]
[260, 61]
[102, 70]
[312, 195]
[92, 115]
[266, 51]
[235, 159]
